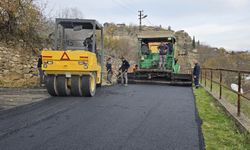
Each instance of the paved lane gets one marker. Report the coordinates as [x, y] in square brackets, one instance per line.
[137, 117]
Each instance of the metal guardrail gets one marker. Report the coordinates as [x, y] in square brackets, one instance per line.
[208, 74]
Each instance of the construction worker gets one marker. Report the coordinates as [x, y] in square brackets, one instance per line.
[145, 49]
[196, 73]
[135, 68]
[88, 43]
[109, 70]
[169, 48]
[162, 52]
[124, 71]
[39, 67]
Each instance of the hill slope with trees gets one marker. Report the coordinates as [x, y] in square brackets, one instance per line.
[25, 30]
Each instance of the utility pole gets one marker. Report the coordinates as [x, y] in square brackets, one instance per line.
[141, 16]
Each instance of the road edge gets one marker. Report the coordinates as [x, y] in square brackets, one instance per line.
[199, 123]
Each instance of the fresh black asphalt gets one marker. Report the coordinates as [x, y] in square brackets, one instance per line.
[137, 117]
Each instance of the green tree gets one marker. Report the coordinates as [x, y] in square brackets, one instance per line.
[193, 43]
[198, 43]
[169, 28]
[221, 50]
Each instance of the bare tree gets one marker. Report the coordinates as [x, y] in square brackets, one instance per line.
[23, 20]
[70, 13]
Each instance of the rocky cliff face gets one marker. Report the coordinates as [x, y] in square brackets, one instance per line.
[184, 41]
[16, 65]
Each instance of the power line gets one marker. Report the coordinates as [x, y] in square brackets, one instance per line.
[121, 4]
[149, 22]
[131, 10]
[130, 6]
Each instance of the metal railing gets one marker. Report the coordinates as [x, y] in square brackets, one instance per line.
[208, 75]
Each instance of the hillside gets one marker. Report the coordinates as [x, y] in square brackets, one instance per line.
[18, 59]
[123, 32]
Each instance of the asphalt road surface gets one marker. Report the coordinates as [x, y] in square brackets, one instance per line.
[137, 117]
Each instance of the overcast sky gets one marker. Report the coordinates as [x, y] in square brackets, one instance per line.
[220, 23]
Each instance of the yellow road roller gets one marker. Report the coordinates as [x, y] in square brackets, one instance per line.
[74, 65]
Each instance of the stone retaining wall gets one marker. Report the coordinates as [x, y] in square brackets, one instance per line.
[18, 68]
[17, 64]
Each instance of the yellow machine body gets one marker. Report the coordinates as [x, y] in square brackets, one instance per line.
[153, 46]
[71, 62]
[74, 66]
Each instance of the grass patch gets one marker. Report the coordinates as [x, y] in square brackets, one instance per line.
[218, 129]
[231, 97]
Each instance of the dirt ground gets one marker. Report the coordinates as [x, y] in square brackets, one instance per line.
[13, 97]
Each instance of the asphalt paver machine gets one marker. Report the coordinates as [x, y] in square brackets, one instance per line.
[148, 70]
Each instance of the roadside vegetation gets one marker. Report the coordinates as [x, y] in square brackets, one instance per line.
[231, 97]
[221, 58]
[219, 131]
[22, 23]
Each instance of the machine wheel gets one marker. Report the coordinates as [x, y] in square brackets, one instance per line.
[62, 86]
[50, 82]
[76, 85]
[88, 85]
